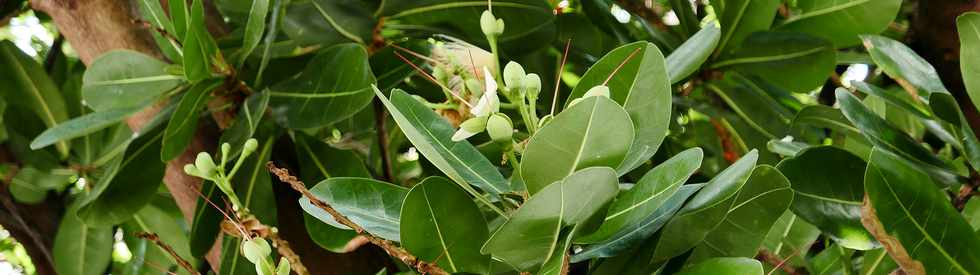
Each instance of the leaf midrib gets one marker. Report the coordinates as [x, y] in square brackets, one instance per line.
[828, 10]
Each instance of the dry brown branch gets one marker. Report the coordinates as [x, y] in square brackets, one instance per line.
[389, 247]
[170, 250]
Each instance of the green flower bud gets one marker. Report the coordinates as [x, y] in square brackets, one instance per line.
[500, 129]
[601, 90]
[500, 26]
[205, 165]
[191, 170]
[283, 268]
[250, 147]
[513, 76]
[532, 86]
[470, 127]
[256, 250]
[488, 23]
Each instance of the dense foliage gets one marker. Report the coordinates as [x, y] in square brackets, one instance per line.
[499, 137]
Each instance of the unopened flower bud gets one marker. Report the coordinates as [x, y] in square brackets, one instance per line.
[205, 165]
[532, 86]
[249, 147]
[191, 170]
[500, 129]
[514, 76]
[488, 23]
[470, 127]
[255, 250]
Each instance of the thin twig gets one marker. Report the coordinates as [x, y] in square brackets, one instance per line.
[561, 68]
[379, 125]
[389, 247]
[170, 250]
[433, 79]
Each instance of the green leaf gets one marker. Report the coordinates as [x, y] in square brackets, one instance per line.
[842, 21]
[901, 62]
[594, 132]
[153, 12]
[832, 260]
[81, 126]
[322, 22]
[432, 136]
[319, 161]
[877, 262]
[530, 236]
[790, 238]
[889, 96]
[125, 79]
[882, 134]
[30, 185]
[178, 13]
[80, 249]
[636, 234]
[968, 26]
[911, 209]
[246, 122]
[687, 58]
[525, 20]
[760, 202]
[128, 185]
[705, 211]
[28, 86]
[155, 218]
[793, 61]
[322, 95]
[642, 87]
[760, 111]
[254, 28]
[372, 204]
[253, 184]
[183, 123]
[200, 50]
[829, 186]
[824, 117]
[725, 266]
[441, 224]
[654, 189]
[739, 18]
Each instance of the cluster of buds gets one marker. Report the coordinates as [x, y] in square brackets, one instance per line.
[204, 167]
[258, 251]
[519, 84]
[487, 116]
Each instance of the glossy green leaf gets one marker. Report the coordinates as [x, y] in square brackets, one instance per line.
[842, 21]
[793, 61]
[155, 218]
[634, 235]
[178, 13]
[129, 184]
[183, 123]
[725, 266]
[30, 185]
[968, 26]
[739, 18]
[80, 249]
[28, 86]
[594, 132]
[531, 234]
[832, 260]
[687, 58]
[254, 28]
[253, 183]
[901, 62]
[246, 122]
[654, 189]
[760, 202]
[829, 186]
[790, 238]
[152, 11]
[81, 126]
[912, 210]
[877, 262]
[885, 135]
[441, 224]
[524, 19]
[432, 136]
[322, 95]
[200, 50]
[760, 111]
[327, 23]
[319, 161]
[705, 211]
[372, 204]
[889, 96]
[125, 79]
[642, 87]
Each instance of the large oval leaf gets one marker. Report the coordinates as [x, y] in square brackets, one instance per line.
[687, 58]
[654, 189]
[968, 27]
[829, 186]
[372, 204]
[642, 87]
[125, 79]
[80, 249]
[705, 211]
[532, 233]
[764, 197]
[739, 18]
[432, 136]
[842, 21]
[441, 224]
[916, 218]
[325, 23]
[793, 61]
[129, 184]
[334, 86]
[81, 126]
[319, 161]
[27, 85]
[594, 132]
[183, 122]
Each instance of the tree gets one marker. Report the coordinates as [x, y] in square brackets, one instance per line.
[491, 137]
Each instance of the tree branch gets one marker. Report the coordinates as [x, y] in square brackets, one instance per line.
[170, 250]
[389, 247]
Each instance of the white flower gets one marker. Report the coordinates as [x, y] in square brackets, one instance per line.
[489, 102]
